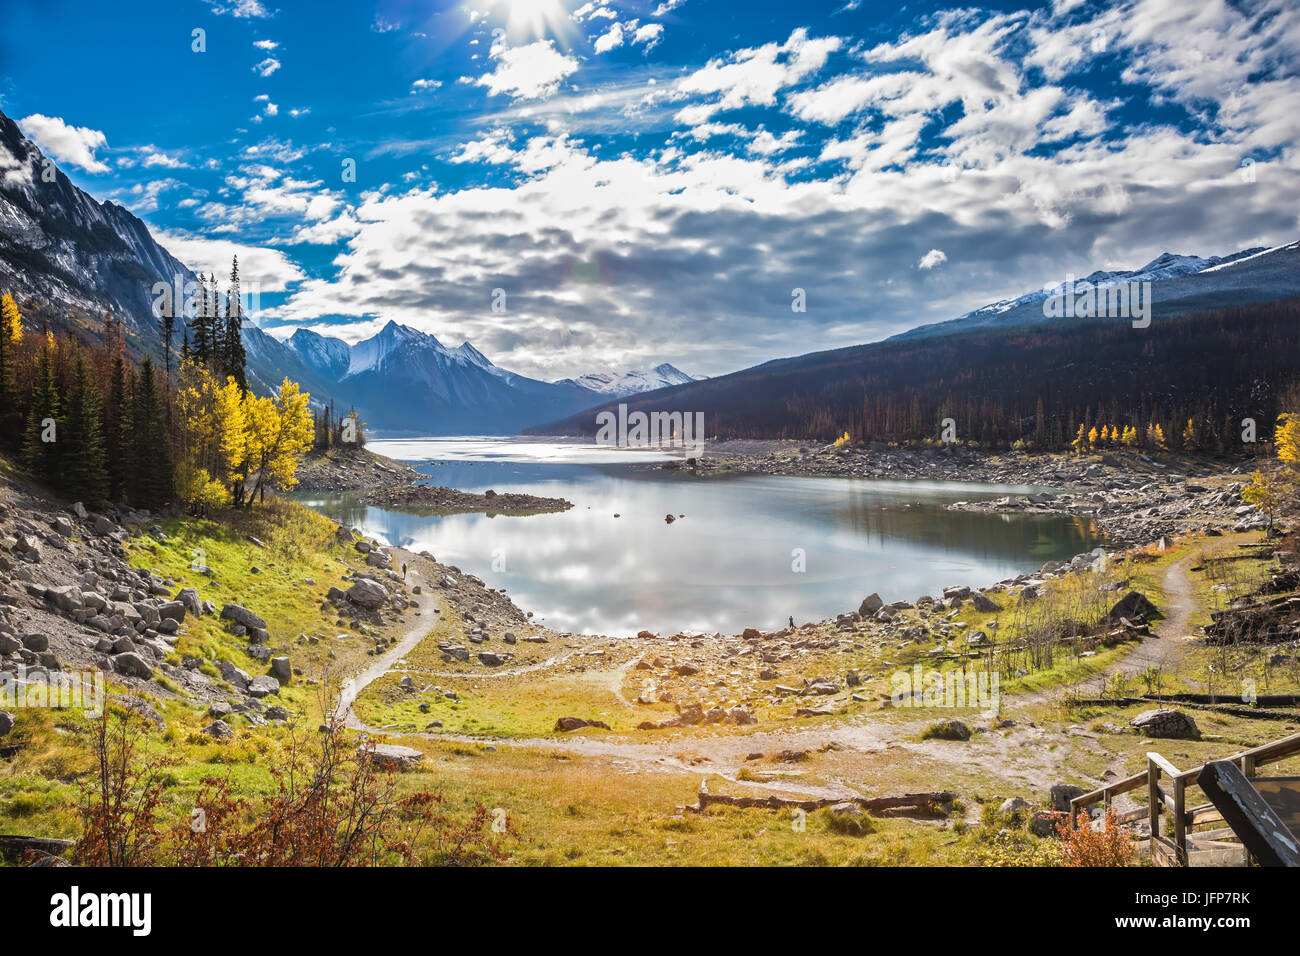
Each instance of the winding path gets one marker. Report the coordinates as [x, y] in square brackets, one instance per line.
[724, 754]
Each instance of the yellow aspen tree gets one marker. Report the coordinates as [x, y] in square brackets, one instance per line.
[279, 434]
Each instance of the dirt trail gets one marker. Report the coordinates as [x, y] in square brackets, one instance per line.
[725, 754]
[1172, 633]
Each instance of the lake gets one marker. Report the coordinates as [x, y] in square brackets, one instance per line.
[748, 551]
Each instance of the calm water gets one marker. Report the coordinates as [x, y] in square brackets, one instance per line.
[728, 564]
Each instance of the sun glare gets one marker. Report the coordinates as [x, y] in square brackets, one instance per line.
[532, 19]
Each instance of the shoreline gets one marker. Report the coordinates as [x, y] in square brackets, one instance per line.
[1133, 499]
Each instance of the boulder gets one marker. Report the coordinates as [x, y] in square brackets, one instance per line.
[189, 597]
[367, 594]
[983, 603]
[1043, 824]
[1013, 804]
[242, 615]
[741, 716]
[173, 610]
[1133, 606]
[219, 730]
[1062, 793]
[233, 675]
[491, 659]
[870, 605]
[6, 723]
[133, 665]
[263, 685]
[36, 643]
[577, 723]
[1166, 723]
[141, 708]
[281, 670]
[390, 756]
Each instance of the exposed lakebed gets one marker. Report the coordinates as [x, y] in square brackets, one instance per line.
[746, 551]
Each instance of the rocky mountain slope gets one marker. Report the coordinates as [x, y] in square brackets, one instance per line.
[1180, 284]
[616, 384]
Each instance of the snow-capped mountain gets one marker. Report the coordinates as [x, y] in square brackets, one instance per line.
[326, 355]
[68, 251]
[402, 379]
[615, 384]
[1179, 284]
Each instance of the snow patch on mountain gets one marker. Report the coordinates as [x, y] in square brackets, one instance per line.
[616, 384]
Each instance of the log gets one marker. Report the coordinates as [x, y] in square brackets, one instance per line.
[938, 803]
[9, 842]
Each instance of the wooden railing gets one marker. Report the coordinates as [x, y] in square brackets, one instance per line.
[1172, 796]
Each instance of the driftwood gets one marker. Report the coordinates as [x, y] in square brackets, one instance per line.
[1258, 713]
[938, 803]
[1263, 622]
[40, 844]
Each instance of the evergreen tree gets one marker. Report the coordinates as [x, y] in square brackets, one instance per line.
[115, 420]
[83, 476]
[149, 460]
[234, 358]
[168, 331]
[43, 422]
[203, 337]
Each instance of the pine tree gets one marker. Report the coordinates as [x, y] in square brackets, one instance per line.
[83, 477]
[168, 331]
[203, 338]
[42, 455]
[149, 462]
[234, 358]
[115, 421]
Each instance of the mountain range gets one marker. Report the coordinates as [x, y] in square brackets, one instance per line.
[1180, 284]
[69, 258]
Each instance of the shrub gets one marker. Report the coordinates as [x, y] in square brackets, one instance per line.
[1082, 845]
[333, 806]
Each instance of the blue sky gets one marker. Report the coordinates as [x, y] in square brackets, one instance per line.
[651, 180]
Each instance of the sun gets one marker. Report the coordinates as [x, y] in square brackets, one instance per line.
[532, 19]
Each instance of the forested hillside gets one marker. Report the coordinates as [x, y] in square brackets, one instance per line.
[1189, 380]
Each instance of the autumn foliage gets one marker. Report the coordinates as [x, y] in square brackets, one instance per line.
[333, 805]
[1082, 845]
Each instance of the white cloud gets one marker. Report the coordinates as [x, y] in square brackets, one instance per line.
[529, 72]
[152, 156]
[753, 76]
[267, 45]
[611, 39]
[267, 270]
[74, 145]
[650, 35]
[934, 257]
[13, 171]
[267, 66]
[421, 85]
[244, 9]
[668, 6]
